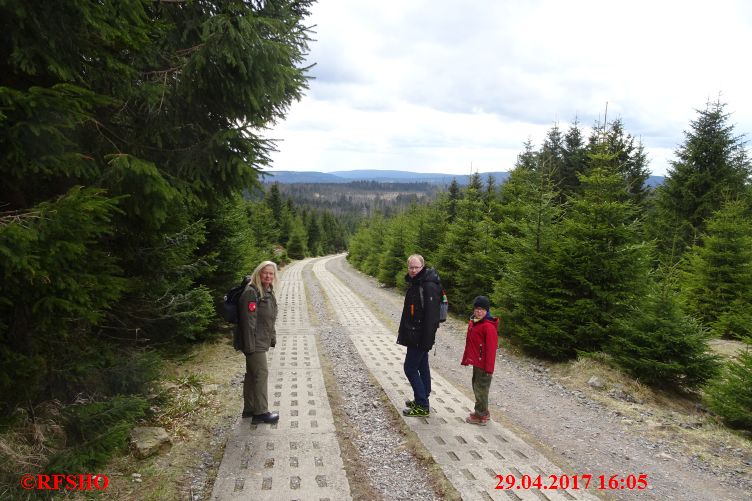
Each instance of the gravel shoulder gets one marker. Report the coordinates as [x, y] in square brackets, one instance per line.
[613, 430]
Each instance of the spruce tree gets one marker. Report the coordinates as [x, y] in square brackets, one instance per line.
[529, 292]
[658, 344]
[150, 112]
[626, 158]
[717, 281]
[711, 166]
[574, 161]
[730, 394]
[551, 155]
[394, 254]
[467, 261]
[297, 245]
[454, 196]
[601, 256]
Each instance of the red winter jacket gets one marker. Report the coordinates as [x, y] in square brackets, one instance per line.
[481, 343]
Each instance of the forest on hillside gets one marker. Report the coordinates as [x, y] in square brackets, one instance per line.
[357, 199]
[582, 258]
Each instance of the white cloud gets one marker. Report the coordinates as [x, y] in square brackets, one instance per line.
[434, 86]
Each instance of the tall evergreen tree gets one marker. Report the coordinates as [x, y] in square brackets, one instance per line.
[454, 197]
[297, 245]
[394, 254]
[154, 109]
[529, 292]
[551, 155]
[274, 200]
[601, 256]
[627, 158]
[574, 161]
[315, 237]
[711, 166]
[467, 261]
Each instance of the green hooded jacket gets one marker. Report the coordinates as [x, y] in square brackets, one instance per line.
[256, 317]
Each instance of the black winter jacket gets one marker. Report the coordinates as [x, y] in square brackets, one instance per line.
[420, 319]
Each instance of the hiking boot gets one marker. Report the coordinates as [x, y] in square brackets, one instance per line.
[267, 417]
[416, 411]
[480, 420]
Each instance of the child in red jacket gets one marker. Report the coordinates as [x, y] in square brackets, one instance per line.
[480, 352]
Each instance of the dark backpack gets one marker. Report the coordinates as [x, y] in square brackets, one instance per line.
[229, 308]
[443, 306]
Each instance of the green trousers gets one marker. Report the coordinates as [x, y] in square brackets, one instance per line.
[255, 384]
[481, 385]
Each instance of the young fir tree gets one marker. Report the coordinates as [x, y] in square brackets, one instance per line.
[367, 244]
[717, 283]
[529, 293]
[551, 155]
[601, 257]
[730, 394]
[454, 196]
[315, 236]
[57, 283]
[394, 255]
[711, 166]
[574, 161]
[468, 259]
[625, 158]
[660, 345]
[297, 245]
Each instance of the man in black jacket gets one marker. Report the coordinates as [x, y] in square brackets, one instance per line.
[417, 330]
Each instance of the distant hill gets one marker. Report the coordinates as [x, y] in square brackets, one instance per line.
[389, 176]
[383, 176]
[654, 181]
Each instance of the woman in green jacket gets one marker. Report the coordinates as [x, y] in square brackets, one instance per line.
[254, 336]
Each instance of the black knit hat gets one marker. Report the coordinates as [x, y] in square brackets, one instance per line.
[482, 302]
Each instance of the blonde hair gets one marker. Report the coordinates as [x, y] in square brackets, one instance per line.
[418, 257]
[256, 276]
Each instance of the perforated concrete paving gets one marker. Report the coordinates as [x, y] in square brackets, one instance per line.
[298, 458]
[470, 456]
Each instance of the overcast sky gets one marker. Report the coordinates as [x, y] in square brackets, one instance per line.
[440, 86]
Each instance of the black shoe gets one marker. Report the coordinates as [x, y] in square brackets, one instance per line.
[247, 414]
[267, 417]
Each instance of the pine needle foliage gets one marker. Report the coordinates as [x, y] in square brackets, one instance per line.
[712, 166]
[602, 260]
[717, 282]
[659, 345]
[730, 395]
[123, 126]
[529, 293]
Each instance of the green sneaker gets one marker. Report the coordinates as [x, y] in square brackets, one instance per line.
[416, 411]
[410, 404]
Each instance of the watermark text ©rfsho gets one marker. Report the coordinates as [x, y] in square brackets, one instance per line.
[59, 482]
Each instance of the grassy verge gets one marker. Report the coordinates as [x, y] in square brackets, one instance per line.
[195, 399]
